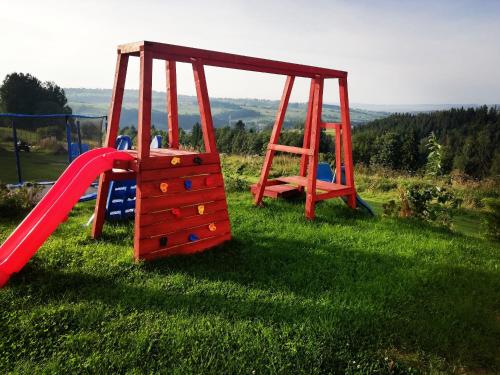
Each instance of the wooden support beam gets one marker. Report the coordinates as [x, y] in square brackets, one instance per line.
[173, 116]
[313, 160]
[338, 155]
[275, 135]
[111, 134]
[229, 60]
[330, 125]
[145, 92]
[304, 160]
[204, 104]
[290, 149]
[346, 140]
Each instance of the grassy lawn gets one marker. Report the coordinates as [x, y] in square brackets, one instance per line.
[346, 293]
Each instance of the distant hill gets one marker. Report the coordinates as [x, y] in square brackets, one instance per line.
[255, 113]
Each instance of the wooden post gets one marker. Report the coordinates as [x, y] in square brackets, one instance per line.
[338, 155]
[143, 137]
[346, 140]
[304, 160]
[204, 104]
[173, 117]
[111, 134]
[275, 135]
[315, 137]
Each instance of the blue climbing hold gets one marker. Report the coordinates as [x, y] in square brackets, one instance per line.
[193, 237]
[188, 184]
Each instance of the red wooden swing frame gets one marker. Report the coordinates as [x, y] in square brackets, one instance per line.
[199, 58]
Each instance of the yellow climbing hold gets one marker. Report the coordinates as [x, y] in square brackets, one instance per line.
[175, 160]
[164, 187]
[212, 227]
[201, 209]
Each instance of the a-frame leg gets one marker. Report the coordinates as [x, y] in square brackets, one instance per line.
[275, 135]
[304, 160]
[173, 117]
[207, 125]
[346, 140]
[111, 134]
[313, 159]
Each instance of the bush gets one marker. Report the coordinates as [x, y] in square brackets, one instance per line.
[233, 183]
[491, 221]
[18, 202]
[426, 202]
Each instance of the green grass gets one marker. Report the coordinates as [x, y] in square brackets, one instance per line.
[346, 293]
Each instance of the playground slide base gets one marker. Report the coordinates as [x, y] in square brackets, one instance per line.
[53, 208]
[361, 203]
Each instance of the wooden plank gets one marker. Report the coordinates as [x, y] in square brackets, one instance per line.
[145, 92]
[304, 160]
[338, 155]
[186, 199]
[189, 248]
[172, 110]
[346, 140]
[167, 227]
[229, 60]
[204, 104]
[303, 181]
[278, 191]
[315, 136]
[161, 162]
[346, 191]
[159, 174]
[183, 212]
[181, 237]
[121, 175]
[280, 117]
[111, 134]
[290, 149]
[177, 185]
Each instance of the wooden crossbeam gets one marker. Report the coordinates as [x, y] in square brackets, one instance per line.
[290, 149]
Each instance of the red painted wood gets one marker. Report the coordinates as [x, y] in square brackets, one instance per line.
[346, 140]
[172, 226]
[194, 197]
[173, 117]
[145, 92]
[289, 149]
[280, 117]
[304, 160]
[111, 134]
[159, 174]
[338, 153]
[278, 191]
[192, 159]
[334, 194]
[313, 160]
[330, 125]
[303, 181]
[204, 104]
[184, 212]
[176, 185]
[228, 60]
[189, 248]
[149, 245]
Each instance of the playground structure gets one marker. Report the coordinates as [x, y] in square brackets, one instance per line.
[36, 137]
[180, 204]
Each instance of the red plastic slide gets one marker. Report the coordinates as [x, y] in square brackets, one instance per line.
[24, 242]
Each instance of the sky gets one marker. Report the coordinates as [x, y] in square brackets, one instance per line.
[396, 52]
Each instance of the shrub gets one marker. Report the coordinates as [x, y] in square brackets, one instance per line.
[233, 183]
[491, 221]
[51, 145]
[426, 202]
[17, 202]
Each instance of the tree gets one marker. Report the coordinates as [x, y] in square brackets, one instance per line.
[433, 166]
[26, 94]
[239, 126]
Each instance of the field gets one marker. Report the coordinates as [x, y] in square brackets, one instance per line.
[346, 293]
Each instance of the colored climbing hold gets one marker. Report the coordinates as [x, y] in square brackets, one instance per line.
[164, 187]
[212, 227]
[193, 237]
[176, 212]
[197, 160]
[188, 184]
[163, 241]
[175, 160]
[201, 209]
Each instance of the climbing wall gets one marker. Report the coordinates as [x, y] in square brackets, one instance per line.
[181, 205]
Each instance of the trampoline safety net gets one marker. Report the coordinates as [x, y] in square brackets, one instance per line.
[38, 148]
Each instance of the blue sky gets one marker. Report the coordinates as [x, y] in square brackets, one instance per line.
[396, 52]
